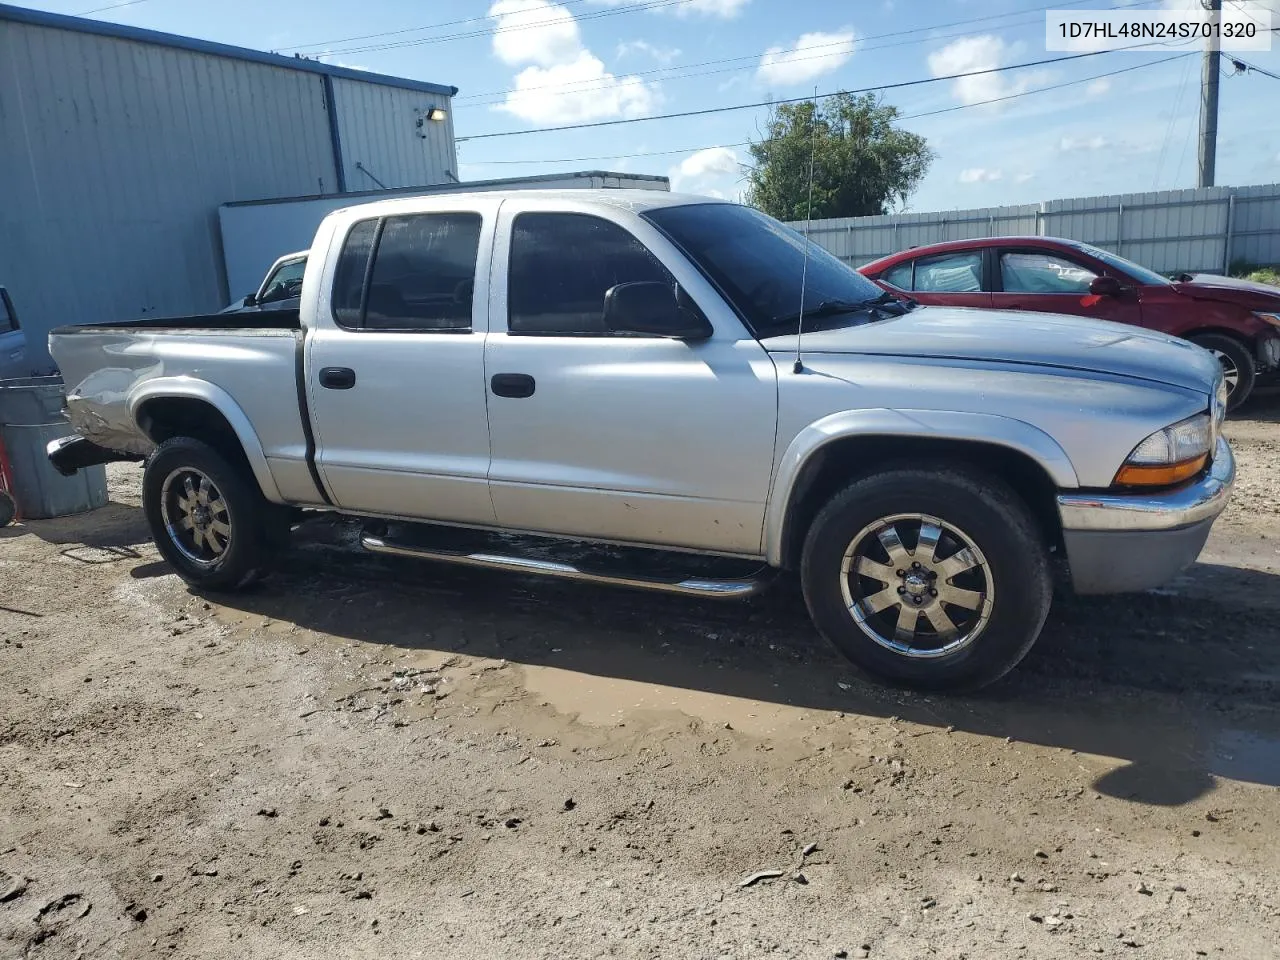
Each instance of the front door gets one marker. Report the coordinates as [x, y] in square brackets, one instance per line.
[627, 438]
[395, 379]
[1037, 279]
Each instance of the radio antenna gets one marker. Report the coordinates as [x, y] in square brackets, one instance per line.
[798, 367]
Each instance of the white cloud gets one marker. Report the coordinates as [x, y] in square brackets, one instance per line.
[980, 175]
[1024, 177]
[697, 172]
[557, 58]
[985, 52]
[811, 56]
[1098, 87]
[724, 9]
[663, 55]
[1067, 144]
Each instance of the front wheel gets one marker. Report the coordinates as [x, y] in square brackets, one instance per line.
[1238, 369]
[935, 579]
[207, 518]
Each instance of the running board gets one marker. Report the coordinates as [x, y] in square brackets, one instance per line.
[693, 586]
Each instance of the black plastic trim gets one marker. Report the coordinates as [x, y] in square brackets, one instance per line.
[300, 380]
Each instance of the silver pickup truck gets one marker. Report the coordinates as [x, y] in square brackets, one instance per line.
[628, 368]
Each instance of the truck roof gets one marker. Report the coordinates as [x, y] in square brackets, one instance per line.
[635, 200]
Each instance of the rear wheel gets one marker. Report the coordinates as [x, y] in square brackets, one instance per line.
[207, 518]
[1238, 369]
[936, 579]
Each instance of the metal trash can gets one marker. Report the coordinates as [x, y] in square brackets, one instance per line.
[31, 415]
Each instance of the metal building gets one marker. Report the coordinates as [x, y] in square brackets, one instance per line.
[119, 145]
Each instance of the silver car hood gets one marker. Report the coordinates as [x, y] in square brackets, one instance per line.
[1008, 336]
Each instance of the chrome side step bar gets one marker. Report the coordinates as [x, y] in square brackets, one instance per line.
[693, 586]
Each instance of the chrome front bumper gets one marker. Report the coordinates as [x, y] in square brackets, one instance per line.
[1200, 500]
[1124, 542]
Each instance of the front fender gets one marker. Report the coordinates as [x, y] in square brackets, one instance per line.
[924, 424]
[163, 388]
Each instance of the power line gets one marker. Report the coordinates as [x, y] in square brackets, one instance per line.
[403, 30]
[511, 28]
[910, 116]
[769, 103]
[582, 86]
[111, 6]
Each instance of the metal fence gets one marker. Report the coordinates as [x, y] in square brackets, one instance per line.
[1204, 230]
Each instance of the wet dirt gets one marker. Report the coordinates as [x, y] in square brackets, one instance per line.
[370, 757]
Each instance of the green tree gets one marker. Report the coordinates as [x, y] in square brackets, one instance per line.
[862, 164]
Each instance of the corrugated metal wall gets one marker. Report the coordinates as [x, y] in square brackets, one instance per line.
[116, 153]
[1201, 230]
[379, 131]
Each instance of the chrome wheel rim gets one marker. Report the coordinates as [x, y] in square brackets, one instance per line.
[917, 585]
[196, 517]
[1230, 372]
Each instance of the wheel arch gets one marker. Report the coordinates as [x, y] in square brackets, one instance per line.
[841, 448]
[180, 406]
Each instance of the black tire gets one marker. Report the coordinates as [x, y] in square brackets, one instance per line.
[258, 529]
[8, 509]
[992, 518]
[1233, 355]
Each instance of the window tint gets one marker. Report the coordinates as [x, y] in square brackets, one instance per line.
[1042, 273]
[562, 264]
[8, 322]
[286, 282]
[348, 277]
[424, 273]
[899, 276]
[951, 273]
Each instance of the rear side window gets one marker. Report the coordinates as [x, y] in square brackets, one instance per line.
[348, 276]
[899, 276]
[409, 273]
[563, 264]
[424, 272]
[950, 273]
[8, 319]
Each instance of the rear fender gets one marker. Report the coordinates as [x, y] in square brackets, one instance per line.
[923, 424]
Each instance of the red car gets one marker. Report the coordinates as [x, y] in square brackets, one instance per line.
[1237, 320]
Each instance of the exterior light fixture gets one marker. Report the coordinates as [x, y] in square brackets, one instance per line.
[437, 114]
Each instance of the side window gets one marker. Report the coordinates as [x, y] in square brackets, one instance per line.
[424, 272]
[348, 276]
[8, 320]
[1042, 273]
[562, 264]
[286, 282]
[899, 276]
[950, 273]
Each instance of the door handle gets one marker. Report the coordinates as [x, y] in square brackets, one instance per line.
[515, 385]
[337, 378]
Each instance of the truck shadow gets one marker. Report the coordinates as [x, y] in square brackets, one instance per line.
[1181, 685]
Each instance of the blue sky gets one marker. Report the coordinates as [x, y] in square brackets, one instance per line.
[587, 60]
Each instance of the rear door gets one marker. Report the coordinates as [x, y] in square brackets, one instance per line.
[1034, 278]
[950, 279]
[395, 366]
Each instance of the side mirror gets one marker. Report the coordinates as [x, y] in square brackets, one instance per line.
[653, 309]
[250, 300]
[1105, 287]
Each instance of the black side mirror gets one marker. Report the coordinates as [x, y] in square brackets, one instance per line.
[653, 309]
[1105, 287]
[250, 300]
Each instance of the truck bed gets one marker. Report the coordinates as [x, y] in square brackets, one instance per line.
[260, 320]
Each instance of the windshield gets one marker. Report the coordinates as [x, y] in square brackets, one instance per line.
[1134, 270]
[757, 264]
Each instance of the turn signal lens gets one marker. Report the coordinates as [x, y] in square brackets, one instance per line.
[1170, 455]
[1130, 476]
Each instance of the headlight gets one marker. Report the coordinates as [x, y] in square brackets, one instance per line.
[1170, 455]
[1271, 318]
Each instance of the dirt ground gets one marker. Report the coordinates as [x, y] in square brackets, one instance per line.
[377, 758]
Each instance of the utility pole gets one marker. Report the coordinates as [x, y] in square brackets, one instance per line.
[1209, 75]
